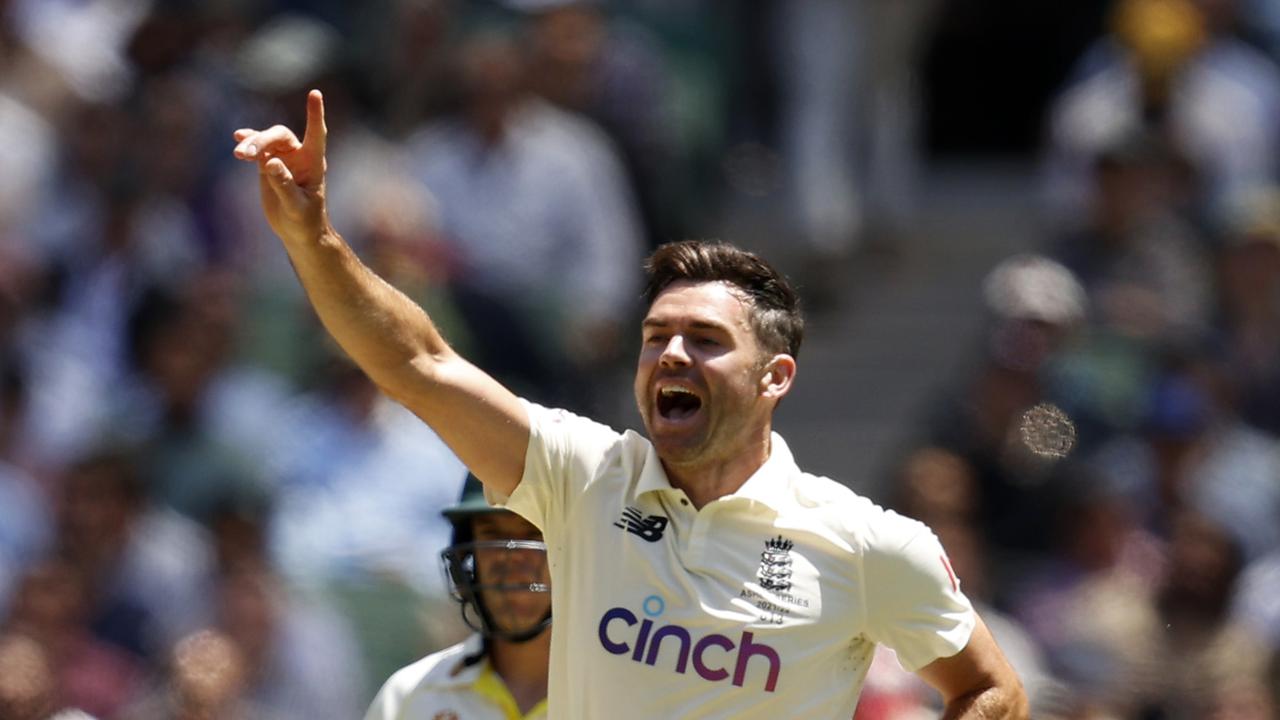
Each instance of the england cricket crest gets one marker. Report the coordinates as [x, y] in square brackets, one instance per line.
[775, 565]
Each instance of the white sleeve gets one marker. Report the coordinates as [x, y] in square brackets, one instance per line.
[564, 452]
[913, 600]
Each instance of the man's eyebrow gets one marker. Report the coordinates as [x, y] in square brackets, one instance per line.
[709, 325]
[695, 324]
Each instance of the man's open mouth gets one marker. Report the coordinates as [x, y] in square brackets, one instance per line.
[677, 403]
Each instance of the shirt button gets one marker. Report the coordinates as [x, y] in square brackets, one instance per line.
[684, 501]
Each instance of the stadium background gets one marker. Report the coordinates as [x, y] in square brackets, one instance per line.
[201, 500]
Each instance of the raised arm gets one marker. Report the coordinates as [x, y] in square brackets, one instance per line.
[389, 336]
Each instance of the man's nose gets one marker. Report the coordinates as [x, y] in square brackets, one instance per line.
[673, 354]
[522, 565]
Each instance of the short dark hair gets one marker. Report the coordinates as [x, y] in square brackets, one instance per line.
[774, 305]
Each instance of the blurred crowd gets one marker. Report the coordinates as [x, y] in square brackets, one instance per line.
[1106, 478]
[207, 512]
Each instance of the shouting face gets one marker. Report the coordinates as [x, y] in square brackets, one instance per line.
[704, 386]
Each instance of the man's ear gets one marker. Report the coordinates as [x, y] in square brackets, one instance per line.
[778, 375]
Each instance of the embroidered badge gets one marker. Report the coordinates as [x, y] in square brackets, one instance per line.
[775, 565]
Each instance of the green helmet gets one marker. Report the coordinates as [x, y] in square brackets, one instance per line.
[461, 569]
[470, 504]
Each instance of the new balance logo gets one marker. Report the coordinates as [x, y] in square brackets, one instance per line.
[648, 528]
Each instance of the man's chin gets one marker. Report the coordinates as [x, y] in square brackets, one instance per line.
[677, 448]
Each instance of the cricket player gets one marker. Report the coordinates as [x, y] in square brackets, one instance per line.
[696, 571]
[497, 569]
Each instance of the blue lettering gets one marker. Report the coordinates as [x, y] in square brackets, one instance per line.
[648, 647]
[617, 613]
[745, 653]
[708, 673]
[643, 638]
[682, 662]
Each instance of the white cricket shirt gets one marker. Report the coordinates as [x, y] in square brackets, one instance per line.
[442, 687]
[767, 603]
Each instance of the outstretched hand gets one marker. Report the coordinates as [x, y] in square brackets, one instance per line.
[291, 174]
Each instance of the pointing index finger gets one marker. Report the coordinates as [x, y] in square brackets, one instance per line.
[316, 135]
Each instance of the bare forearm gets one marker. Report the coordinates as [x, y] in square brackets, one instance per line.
[992, 704]
[378, 326]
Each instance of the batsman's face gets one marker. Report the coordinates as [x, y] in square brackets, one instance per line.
[698, 380]
[507, 574]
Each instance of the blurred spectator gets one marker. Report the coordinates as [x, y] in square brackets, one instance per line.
[850, 119]
[204, 424]
[104, 229]
[896, 46]
[146, 568]
[1197, 660]
[176, 217]
[1262, 20]
[1168, 650]
[1241, 699]
[85, 41]
[410, 57]
[1249, 305]
[609, 69]
[1090, 602]
[820, 83]
[936, 486]
[25, 524]
[1171, 67]
[28, 690]
[206, 680]
[1034, 308]
[300, 660]
[53, 607]
[1194, 453]
[1147, 277]
[25, 517]
[1254, 605]
[80, 239]
[543, 277]
[361, 480]
[113, 222]
[27, 164]
[1141, 264]
[357, 511]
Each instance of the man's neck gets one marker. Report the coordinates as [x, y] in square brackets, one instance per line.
[523, 668]
[711, 480]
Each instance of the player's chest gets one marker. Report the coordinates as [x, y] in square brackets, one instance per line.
[726, 568]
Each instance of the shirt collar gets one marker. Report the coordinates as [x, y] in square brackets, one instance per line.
[766, 485]
[653, 477]
[769, 483]
[461, 675]
[491, 687]
[481, 679]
